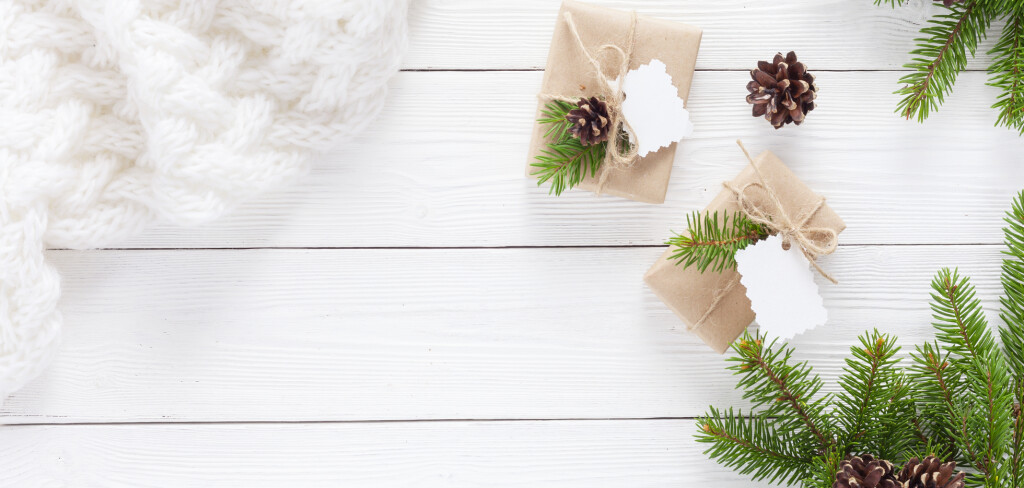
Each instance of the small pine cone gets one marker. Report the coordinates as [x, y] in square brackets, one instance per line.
[590, 122]
[865, 472]
[930, 473]
[950, 2]
[782, 91]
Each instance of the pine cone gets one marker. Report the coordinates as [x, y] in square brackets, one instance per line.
[590, 122]
[865, 472]
[782, 90]
[930, 473]
[950, 2]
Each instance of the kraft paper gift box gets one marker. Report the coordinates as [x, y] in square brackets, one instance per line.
[568, 73]
[691, 294]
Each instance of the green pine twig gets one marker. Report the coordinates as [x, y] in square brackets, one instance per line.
[565, 164]
[937, 391]
[980, 417]
[554, 115]
[566, 161]
[712, 242]
[1016, 475]
[786, 391]
[943, 49]
[874, 410]
[824, 468]
[753, 446]
[960, 323]
[1007, 72]
[1012, 331]
[941, 55]
[793, 432]
[1012, 278]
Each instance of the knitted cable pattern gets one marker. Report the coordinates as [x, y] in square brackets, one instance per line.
[116, 113]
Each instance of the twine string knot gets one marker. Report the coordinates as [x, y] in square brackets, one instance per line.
[770, 212]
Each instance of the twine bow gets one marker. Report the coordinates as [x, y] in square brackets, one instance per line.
[813, 241]
[617, 156]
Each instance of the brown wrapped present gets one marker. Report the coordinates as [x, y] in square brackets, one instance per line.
[570, 74]
[714, 305]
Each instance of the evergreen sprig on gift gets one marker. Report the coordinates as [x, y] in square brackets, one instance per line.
[943, 49]
[959, 398]
[711, 240]
[566, 161]
[573, 152]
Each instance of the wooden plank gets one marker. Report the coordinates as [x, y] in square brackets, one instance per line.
[423, 454]
[444, 167]
[827, 34]
[299, 335]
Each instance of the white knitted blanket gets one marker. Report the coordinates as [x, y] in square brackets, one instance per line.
[117, 113]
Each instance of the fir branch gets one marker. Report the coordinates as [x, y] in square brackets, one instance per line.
[1017, 447]
[985, 429]
[566, 161]
[753, 446]
[824, 468]
[1012, 277]
[942, 52]
[936, 390]
[959, 319]
[554, 114]
[1007, 71]
[862, 384]
[1012, 331]
[875, 414]
[990, 423]
[787, 391]
[941, 55]
[712, 243]
[941, 393]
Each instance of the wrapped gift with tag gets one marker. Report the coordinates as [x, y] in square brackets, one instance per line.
[763, 231]
[612, 103]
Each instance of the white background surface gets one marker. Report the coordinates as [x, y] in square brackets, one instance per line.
[417, 313]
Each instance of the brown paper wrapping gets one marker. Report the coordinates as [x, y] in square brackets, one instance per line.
[689, 293]
[569, 73]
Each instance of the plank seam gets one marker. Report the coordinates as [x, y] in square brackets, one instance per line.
[446, 248]
[699, 70]
[364, 421]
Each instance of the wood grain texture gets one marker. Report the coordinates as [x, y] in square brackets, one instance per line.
[436, 454]
[454, 324]
[430, 173]
[306, 335]
[827, 34]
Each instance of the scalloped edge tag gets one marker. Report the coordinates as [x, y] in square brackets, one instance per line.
[781, 289]
[656, 114]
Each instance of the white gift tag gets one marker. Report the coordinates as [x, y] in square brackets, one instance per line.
[781, 288]
[653, 108]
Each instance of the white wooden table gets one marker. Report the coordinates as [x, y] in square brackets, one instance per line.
[417, 313]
